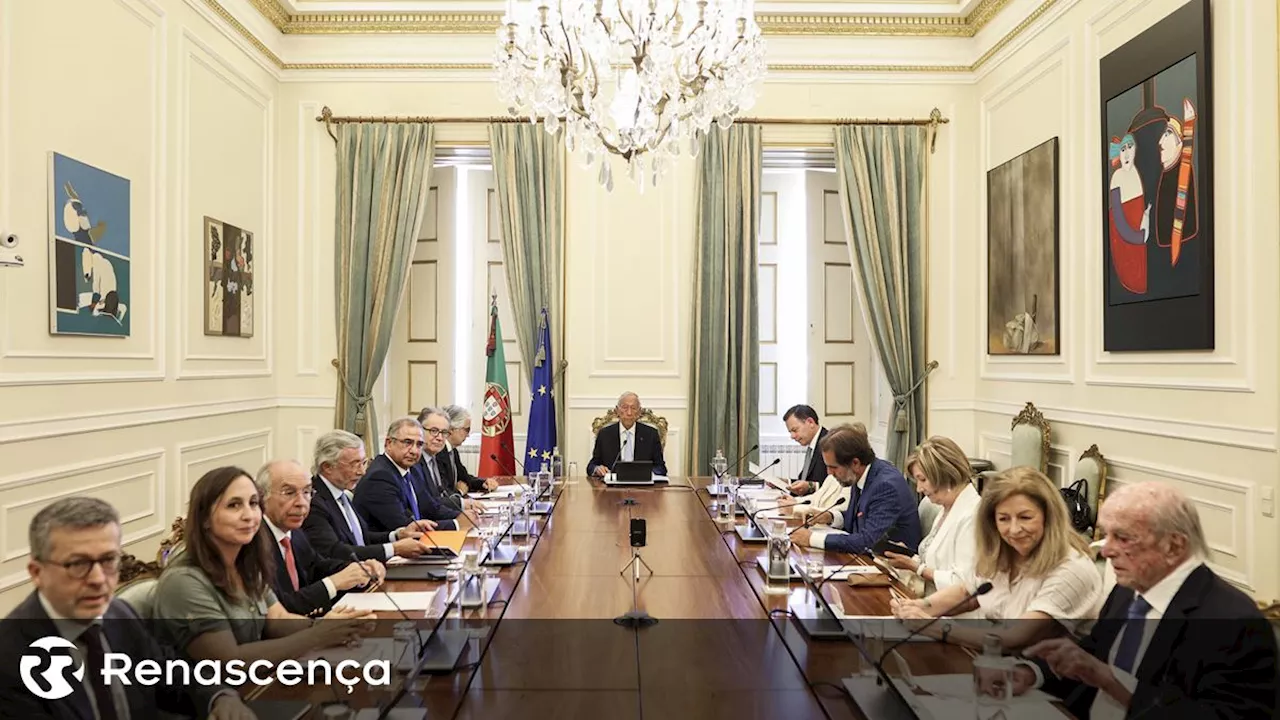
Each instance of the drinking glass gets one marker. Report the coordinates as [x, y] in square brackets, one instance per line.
[778, 578]
[815, 564]
[872, 632]
[572, 477]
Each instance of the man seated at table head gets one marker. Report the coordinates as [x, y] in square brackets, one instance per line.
[459, 431]
[1174, 639]
[435, 465]
[75, 567]
[626, 440]
[881, 502]
[305, 581]
[333, 526]
[392, 493]
[803, 426]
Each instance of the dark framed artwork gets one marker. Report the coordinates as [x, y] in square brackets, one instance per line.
[1157, 181]
[228, 279]
[1022, 254]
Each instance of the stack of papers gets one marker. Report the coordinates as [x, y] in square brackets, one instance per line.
[383, 602]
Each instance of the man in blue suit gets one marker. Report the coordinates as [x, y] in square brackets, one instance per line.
[880, 500]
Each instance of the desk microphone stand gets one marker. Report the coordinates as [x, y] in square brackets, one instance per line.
[635, 618]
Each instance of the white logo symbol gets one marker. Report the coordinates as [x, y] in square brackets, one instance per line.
[59, 654]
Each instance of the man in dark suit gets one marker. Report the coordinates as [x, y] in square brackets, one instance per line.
[75, 566]
[802, 424]
[435, 467]
[1174, 639]
[392, 494]
[626, 440]
[333, 526]
[880, 499]
[305, 581]
[459, 431]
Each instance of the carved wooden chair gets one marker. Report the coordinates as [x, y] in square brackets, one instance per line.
[1028, 442]
[173, 545]
[138, 584]
[1092, 468]
[647, 417]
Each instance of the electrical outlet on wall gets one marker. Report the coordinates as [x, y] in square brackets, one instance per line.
[1268, 502]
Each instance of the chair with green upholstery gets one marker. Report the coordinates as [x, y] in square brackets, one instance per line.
[1092, 468]
[138, 584]
[1028, 443]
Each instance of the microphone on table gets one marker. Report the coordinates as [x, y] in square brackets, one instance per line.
[738, 462]
[494, 457]
[839, 501]
[513, 455]
[883, 536]
[756, 474]
[982, 589]
[620, 451]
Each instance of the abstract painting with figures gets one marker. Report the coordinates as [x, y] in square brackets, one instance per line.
[1157, 207]
[89, 263]
[228, 279]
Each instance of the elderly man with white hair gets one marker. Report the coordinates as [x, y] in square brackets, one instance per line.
[626, 440]
[1173, 639]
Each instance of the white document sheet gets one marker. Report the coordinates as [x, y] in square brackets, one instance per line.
[380, 602]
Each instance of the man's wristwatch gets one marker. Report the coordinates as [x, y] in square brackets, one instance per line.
[946, 630]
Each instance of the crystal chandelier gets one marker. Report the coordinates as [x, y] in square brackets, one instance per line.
[636, 79]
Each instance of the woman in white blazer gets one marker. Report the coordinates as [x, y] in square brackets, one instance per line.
[942, 475]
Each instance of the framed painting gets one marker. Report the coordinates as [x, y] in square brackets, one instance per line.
[228, 279]
[1157, 182]
[89, 250]
[1022, 254]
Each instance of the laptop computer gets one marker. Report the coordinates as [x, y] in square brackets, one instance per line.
[635, 472]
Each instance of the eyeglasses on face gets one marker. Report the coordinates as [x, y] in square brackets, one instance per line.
[81, 567]
[292, 494]
[358, 463]
[409, 442]
[435, 432]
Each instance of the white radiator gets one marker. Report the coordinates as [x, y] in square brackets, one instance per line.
[791, 458]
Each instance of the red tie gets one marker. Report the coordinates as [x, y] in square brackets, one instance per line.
[288, 561]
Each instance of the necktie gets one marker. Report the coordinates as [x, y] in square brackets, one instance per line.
[92, 638]
[433, 471]
[289, 564]
[1127, 654]
[804, 470]
[411, 496]
[853, 507]
[352, 520]
[629, 449]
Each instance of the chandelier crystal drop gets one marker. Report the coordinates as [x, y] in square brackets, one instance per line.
[641, 80]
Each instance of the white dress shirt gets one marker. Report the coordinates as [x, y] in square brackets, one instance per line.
[282, 534]
[71, 630]
[343, 498]
[818, 538]
[627, 438]
[1158, 596]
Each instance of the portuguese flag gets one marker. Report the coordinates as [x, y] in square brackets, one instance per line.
[495, 426]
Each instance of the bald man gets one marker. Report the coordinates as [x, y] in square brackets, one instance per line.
[305, 581]
[625, 440]
[1174, 639]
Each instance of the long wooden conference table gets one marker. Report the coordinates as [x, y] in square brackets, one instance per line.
[547, 645]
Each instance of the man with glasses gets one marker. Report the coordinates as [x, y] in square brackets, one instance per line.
[626, 440]
[436, 465]
[75, 566]
[392, 494]
[305, 581]
[459, 431]
[333, 526]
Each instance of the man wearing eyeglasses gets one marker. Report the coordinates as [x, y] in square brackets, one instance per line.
[436, 465]
[75, 566]
[305, 581]
[333, 526]
[391, 494]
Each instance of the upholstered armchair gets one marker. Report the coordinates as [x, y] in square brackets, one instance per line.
[1092, 468]
[1029, 442]
[138, 584]
[647, 417]
[173, 545]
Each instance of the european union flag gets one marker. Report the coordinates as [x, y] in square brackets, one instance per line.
[541, 438]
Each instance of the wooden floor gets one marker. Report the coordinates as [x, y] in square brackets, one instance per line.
[552, 649]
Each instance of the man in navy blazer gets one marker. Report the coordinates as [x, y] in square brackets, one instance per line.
[391, 494]
[803, 426]
[75, 567]
[1174, 640]
[305, 581]
[641, 441]
[333, 526]
[880, 500]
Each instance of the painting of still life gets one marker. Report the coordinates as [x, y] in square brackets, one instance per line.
[89, 247]
[228, 279]
[1157, 207]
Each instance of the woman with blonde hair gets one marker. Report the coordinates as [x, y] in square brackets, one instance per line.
[1042, 578]
[941, 471]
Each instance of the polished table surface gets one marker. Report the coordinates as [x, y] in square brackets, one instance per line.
[548, 647]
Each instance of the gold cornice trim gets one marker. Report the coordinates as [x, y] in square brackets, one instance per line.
[1015, 32]
[485, 23]
[248, 35]
[483, 67]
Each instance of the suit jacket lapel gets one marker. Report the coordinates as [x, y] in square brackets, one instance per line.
[1173, 624]
[38, 624]
[335, 511]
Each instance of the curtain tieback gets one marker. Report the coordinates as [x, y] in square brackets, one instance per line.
[360, 400]
[900, 423]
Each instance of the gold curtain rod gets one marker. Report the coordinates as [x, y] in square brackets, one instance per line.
[329, 119]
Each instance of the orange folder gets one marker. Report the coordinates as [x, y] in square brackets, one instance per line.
[444, 543]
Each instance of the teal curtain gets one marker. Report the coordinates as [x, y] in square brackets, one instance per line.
[724, 399]
[528, 174]
[882, 172]
[382, 186]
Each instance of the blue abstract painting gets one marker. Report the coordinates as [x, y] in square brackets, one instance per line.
[89, 250]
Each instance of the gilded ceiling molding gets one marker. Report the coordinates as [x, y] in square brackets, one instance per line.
[422, 23]
[1017, 30]
[236, 25]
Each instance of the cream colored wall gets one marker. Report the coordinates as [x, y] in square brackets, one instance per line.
[629, 265]
[1202, 421]
[151, 91]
